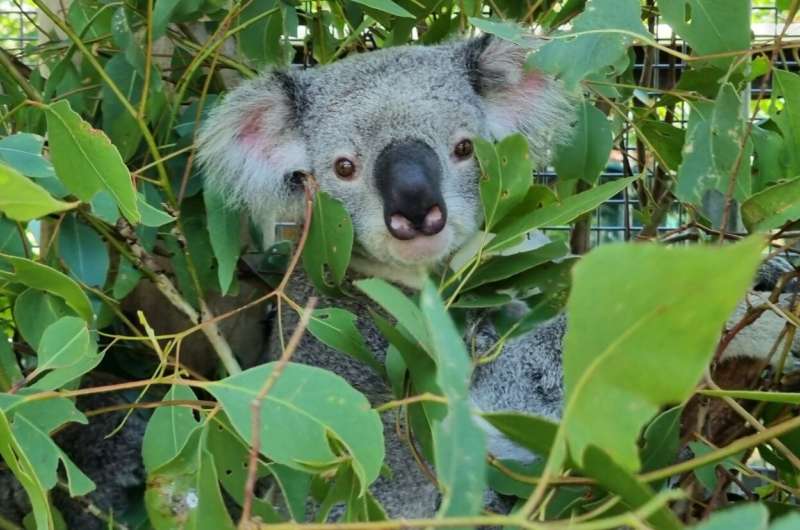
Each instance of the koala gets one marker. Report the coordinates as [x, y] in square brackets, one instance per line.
[389, 134]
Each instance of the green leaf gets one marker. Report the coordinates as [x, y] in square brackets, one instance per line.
[23, 200]
[63, 344]
[662, 440]
[506, 30]
[666, 139]
[44, 278]
[710, 26]
[398, 305]
[556, 214]
[314, 402]
[337, 328]
[223, 230]
[10, 372]
[330, 242]
[45, 455]
[772, 207]
[534, 433]
[617, 353]
[168, 429]
[787, 85]
[712, 148]
[586, 154]
[261, 42]
[598, 41]
[23, 152]
[152, 216]
[231, 458]
[15, 457]
[387, 6]
[11, 238]
[504, 267]
[34, 311]
[506, 175]
[769, 148]
[787, 522]
[749, 516]
[48, 414]
[634, 494]
[86, 161]
[459, 442]
[83, 251]
[184, 492]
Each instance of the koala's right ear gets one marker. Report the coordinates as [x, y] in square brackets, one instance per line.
[516, 99]
[250, 146]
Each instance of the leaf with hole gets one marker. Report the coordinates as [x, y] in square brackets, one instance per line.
[330, 242]
[506, 175]
[337, 328]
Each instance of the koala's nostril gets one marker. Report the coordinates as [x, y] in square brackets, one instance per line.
[401, 227]
[434, 221]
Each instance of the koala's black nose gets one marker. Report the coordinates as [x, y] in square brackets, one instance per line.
[408, 175]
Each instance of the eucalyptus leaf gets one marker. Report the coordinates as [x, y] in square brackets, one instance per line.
[44, 278]
[598, 41]
[555, 214]
[387, 6]
[772, 207]
[787, 85]
[15, 457]
[506, 175]
[23, 199]
[23, 152]
[168, 428]
[337, 328]
[310, 400]
[223, 231]
[83, 251]
[603, 349]
[459, 442]
[329, 244]
[710, 26]
[86, 161]
[586, 154]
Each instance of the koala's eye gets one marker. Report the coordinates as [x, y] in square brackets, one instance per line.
[463, 149]
[344, 168]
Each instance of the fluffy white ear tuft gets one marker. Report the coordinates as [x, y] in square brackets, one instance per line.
[516, 99]
[250, 147]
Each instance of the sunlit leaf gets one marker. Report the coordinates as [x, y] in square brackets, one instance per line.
[23, 200]
[307, 400]
[586, 153]
[603, 350]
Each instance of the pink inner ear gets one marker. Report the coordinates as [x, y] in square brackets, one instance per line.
[532, 81]
[251, 129]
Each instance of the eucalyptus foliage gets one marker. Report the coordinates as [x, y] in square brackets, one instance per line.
[98, 191]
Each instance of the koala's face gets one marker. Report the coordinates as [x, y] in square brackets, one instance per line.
[389, 134]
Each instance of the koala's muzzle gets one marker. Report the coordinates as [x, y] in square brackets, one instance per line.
[409, 175]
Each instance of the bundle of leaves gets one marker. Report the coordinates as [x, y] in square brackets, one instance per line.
[100, 196]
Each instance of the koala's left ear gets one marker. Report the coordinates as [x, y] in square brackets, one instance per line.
[516, 99]
[250, 147]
